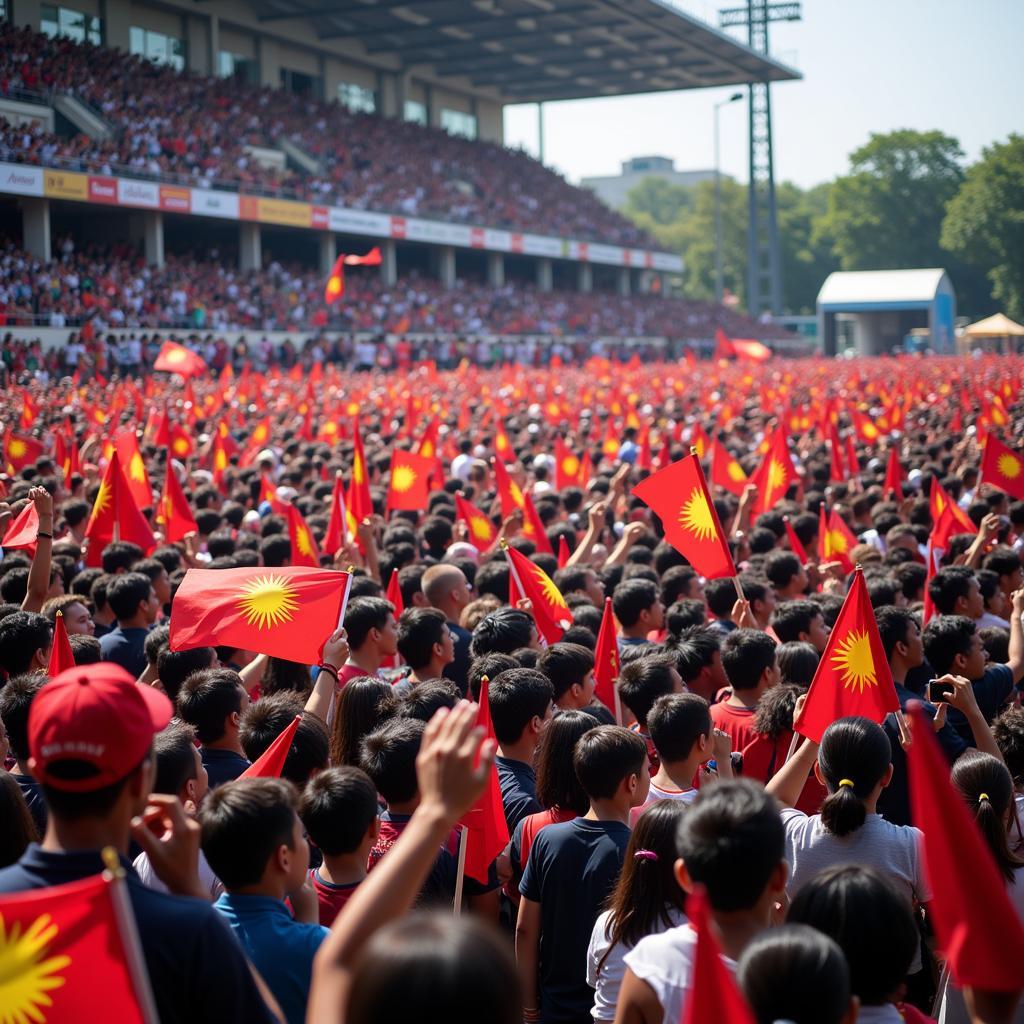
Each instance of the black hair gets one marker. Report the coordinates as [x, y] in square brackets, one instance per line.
[275, 550]
[85, 649]
[721, 596]
[502, 632]
[419, 629]
[1007, 730]
[364, 614]
[780, 567]
[1002, 561]
[14, 585]
[797, 661]
[119, 555]
[944, 638]
[605, 757]
[854, 756]
[643, 680]
[388, 756]
[893, 626]
[410, 579]
[632, 598]
[517, 696]
[126, 592]
[882, 591]
[337, 807]
[19, 828]
[205, 700]
[265, 720]
[156, 640]
[490, 665]
[243, 823]
[948, 585]
[571, 578]
[426, 698]
[150, 568]
[676, 722]
[911, 577]
[94, 803]
[685, 614]
[746, 655]
[695, 650]
[731, 840]
[16, 697]
[284, 676]
[565, 665]
[21, 635]
[557, 782]
[174, 667]
[174, 748]
[791, 618]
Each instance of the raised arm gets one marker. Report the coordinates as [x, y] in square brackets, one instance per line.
[39, 574]
[1016, 658]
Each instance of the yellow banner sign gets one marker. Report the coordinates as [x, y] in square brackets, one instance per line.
[66, 185]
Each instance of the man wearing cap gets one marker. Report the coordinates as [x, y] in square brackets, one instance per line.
[90, 738]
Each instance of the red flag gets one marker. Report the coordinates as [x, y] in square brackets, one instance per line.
[853, 676]
[485, 828]
[836, 539]
[360, 503]
[563, 551]
[482, 532]
[894, 475]
[285, 613]
[72, 953]
[567, 466]
[115, 516]
[852, 462]
[23, 530]
[606, 663]
[373, 258]
[975, 923]
[409, 488]
[337, 526]
[175, 358]
[550, 612]
[394, 595]
[837, 471]
[134, 468]
[181, 443]
[61, 656]
[679, 495]
[775, 475]
[713, 994]
[948, 518]
[304, 546]
[428, 440]
[335, 287]
[699, 439]
[724, 348]
[1003, 468]
[932, 561]
[174, 512]
[270, 763]
[726, 472]
[21, 451]
[866, 430]
[794, 541]
[533, 527]
[503, 446]
[750, 350]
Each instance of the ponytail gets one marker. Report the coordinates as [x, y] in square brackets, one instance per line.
[854, 756]
[987, 788]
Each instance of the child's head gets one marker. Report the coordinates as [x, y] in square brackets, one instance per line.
[731, 841]
[797, 974]
[800, 620]
[265, 720]
[179, 768]
[521, 701]
[749, 660]
[426, 698]
[570, 669]
[987, 788]
[679, 724]
[646, 678]
[252, 834]
[1008, 730]
[557, 782]
[611, 763]
[797, 661]
[854, 760]
[339, 810]
[872, 922]
[365, 703]
[388, 756]
[212, 702]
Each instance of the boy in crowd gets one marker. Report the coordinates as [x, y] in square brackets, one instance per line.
[212, 701]
[698, 653]
[638, 608]
[446, 588]
[571, 870]
[254, 841]
[372, 637]
[731, 842]
[786, 575]
[800, 620]
[16, 698]
[425, 643]
[570, 670]
[641, 682]
[135, 605]
[954, 590]
[748, 657]
[25, 642]
[339, 810]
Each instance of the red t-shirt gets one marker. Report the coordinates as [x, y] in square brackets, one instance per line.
[330, 898]
[347, 673]
[763, 757]
[737, 722]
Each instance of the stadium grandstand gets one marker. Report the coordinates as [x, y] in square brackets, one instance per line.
[200, 165]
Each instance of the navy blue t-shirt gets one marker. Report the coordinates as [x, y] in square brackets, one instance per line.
[127, 648]
[197, 969]
[222, 765]
[991, 692]
[571, 870]
[518, 783]
[458, 669]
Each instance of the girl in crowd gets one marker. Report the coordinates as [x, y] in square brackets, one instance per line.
[363, 705]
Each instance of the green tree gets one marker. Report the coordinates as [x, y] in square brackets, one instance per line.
[807, 246]
[887, 213]
[984, 224]
[656, 202]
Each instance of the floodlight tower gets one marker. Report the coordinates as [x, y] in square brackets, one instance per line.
[764, 262]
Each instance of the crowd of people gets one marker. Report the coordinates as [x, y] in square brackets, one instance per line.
[202, 130]
[628, 827]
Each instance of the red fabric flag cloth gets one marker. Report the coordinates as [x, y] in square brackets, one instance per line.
[795, 544]
[726, 472]
[606, 663]
[932, 562]
[115, 514]
[337, 535]
[564, 554]
[61, 656]
[270, 763]
[567, 466]
[409, 488]
[1003, 468]
[373, 258]
[394, 595]
[508, 491]
[285, 613]
[533, 527]
[182, 445]
[866, 429]
[427, 446]
[837, 470]
[975, 923]
[23, 530]
[175, 358]
[724, 348]
[550, 612]
[304, 546]
[335, 286]
[22, 451]
[837, 541]
[360, 503]
[486, 830]
[948, 518]
[776, 473]
[174, 512]
[134, 468]
[699, 439]
[713, 994]
[72, 953]
[482, 532]
[751, 351]
[894, 475]
[679, 495]
[853, 676]
[503, 446]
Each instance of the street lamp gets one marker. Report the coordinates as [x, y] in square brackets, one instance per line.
[718, 200]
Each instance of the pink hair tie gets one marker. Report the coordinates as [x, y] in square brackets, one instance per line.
[645, 855]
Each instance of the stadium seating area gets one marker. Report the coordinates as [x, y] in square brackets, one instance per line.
[197, 128]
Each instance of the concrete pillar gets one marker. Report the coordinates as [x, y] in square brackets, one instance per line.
[389, 262]
[35, 227]
[433, 108]
[625, 282]
[586, 278]
[213, 41]
[154, 237]
[250, 254]
[117, 19]
[269, 62]
[328, 251]
[27, 14]
[545, 274]
[446, 266]
[401, 90]
[389, 100]
[495, 270]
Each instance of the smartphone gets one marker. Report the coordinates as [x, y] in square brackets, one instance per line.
[939, 691]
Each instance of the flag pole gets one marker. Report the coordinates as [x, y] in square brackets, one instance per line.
[460, 872]
[114, 876]
[344, 599]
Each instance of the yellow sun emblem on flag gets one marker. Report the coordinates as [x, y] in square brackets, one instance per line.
[220, 460]
[570, 465]
[501, 442]
[940, 504]
[516, 492]
[854, 662]
[176, 355]
[696, 517]
[268, 601]
[426, 450]
[403, 478]
[180, 446]
[16, 448]
[836, 541]
[137, 468]
[480, 527]
[167, 509]
[102, 502]
[1009, 466]
[776, 476]
[26, 978]
[735, 471]
[304, 542]
[870, 431]
[358, 474]
[549, 589]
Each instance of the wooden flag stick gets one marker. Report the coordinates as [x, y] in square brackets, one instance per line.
[344, 600]
[739, 587]
[460, 873]
[793, 744]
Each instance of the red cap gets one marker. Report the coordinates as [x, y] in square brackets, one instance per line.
[96, 714]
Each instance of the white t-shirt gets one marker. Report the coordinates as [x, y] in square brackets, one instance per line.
[687, 796]
[607, 983]
[207, 878]
[665, 962]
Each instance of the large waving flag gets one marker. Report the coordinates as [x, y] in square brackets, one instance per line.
[360, 503]
[776, 473]
[175, 358]
[1003, 468]
[679, 495]
[21, 450]
[550, 611]
[285, 613]
[853, 676]
[338, 526]
[23, 531]
[115, 515]
[948, 518]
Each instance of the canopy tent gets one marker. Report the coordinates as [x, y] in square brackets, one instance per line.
[999, 325]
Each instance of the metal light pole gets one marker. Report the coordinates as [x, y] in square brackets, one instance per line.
[718, 200]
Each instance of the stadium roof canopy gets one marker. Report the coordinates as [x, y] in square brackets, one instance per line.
[539, 50]
[865, 289]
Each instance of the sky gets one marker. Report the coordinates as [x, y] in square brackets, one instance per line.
[867, 65]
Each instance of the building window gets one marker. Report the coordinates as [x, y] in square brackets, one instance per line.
[62, 22]
[234, 65]
[415, 112]
[455, 122]
[357, 98]
[157, 47]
